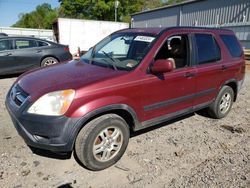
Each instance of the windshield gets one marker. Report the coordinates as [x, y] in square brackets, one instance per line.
[122, 51]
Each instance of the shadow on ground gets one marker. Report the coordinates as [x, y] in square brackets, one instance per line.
[50, 154]
[10, 76]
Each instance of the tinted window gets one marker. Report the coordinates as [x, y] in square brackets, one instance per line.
[232, 45]
[5, 45]
[22, 43]
[40, 43]
[208, 49]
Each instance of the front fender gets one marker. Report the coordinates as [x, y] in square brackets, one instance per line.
[81, 108]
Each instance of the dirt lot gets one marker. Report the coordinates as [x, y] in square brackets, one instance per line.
[195, 151]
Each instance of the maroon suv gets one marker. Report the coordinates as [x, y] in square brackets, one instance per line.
[133, 79]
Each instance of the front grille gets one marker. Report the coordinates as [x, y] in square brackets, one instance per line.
[18, 95]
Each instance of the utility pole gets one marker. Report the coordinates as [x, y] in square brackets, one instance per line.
[116, 7]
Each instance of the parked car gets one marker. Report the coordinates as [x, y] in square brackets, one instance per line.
[19, 54]
[131, 80]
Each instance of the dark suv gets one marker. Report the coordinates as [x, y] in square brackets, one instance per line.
[133, 79]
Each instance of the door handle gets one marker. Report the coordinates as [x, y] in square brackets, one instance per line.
[8, 54]
[224, 67]
[189, 74]
[38, 51]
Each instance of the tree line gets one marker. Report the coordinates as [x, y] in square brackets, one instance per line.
[44, 15]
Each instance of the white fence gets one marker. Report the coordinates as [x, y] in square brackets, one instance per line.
[39, 33]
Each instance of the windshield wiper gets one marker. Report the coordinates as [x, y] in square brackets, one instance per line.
[113, 61]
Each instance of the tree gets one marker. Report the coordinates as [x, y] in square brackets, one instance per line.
[41, 18]
[171, 2]
[104, 9]
[44, 15]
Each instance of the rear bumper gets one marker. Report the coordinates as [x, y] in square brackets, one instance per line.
[65, 57]
[52, 133]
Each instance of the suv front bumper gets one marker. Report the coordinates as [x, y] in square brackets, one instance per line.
[54, 133]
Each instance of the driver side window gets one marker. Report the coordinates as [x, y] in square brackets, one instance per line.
[175, 49]
[5, 45]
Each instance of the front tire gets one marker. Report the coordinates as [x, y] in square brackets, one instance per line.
[102, 142]
[222, 104]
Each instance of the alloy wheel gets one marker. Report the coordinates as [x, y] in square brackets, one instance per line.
[107, 144]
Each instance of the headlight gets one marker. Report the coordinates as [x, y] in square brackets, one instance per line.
[53, 104]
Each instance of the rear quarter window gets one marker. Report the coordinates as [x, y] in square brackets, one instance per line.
[41, 43]
[232, 45]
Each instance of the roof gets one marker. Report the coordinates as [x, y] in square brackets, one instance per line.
[22, 37]
[158, 30]
[151, 30]
[3, 34]
[167, 6]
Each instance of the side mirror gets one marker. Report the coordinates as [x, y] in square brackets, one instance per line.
[162, 66]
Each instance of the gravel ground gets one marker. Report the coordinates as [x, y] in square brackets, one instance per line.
[194, 151]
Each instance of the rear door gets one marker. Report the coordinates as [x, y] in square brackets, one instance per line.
[209, 68]
[26, 54]
[7, 62]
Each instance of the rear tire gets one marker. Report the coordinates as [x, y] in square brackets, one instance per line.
[102, 142]
[222, 104]
[49, 61]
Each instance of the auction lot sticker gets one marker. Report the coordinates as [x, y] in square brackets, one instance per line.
[144, 38]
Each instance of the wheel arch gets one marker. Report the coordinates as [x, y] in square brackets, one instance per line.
[122, 110]
[233, 84]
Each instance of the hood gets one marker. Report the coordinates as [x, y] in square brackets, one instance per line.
[73, 75]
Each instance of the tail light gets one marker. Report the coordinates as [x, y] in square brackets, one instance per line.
[66, 49]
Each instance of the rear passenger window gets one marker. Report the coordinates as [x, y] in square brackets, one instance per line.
[232, 45]
[22, 43]
[207, 48]
[40, 43]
